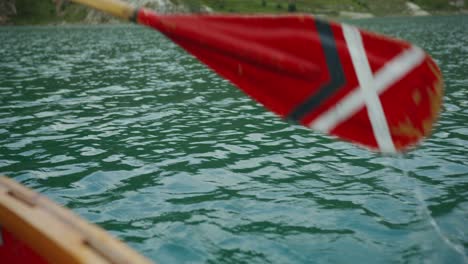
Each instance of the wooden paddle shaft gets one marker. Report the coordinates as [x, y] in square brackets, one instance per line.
[114, 7]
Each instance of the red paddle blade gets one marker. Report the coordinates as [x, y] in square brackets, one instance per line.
[382, 93]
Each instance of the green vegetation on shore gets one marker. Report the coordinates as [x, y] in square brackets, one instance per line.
[435, 5]
[32, 12]
[44, 11]
[327, 7]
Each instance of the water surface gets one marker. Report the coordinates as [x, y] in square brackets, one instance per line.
[124, 128]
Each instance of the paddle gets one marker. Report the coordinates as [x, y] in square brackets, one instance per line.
[375, 91]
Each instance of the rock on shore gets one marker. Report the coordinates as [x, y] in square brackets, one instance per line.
[7, 9]
[416, 10]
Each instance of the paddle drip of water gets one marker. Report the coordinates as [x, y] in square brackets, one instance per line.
[423, 208]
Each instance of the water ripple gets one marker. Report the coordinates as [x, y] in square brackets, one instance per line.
[121, 126]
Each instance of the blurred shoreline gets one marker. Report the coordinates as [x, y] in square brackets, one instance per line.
[60, 12]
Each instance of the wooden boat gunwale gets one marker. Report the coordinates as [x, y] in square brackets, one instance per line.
[56, 233]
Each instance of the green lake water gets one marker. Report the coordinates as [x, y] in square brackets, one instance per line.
[121, 126]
